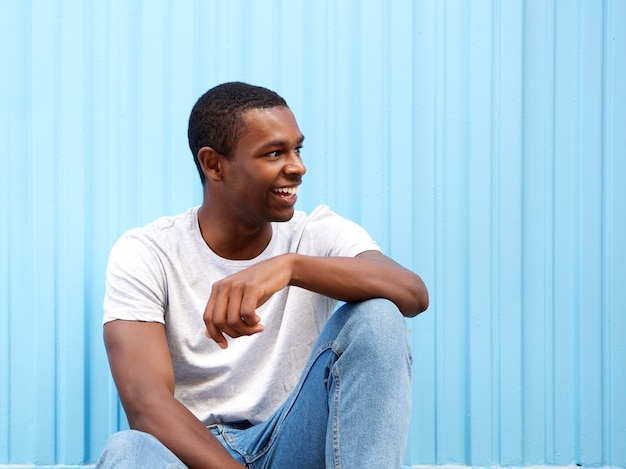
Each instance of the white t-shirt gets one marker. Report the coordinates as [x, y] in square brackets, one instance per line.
[163, 273]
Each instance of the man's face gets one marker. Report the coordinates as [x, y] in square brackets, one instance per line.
[265, 169]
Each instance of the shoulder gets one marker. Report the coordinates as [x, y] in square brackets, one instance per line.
[324, 232]
[303, 222]
[322, 218]
[163, 230]
[321, 213]
[165, 226]
[148, 245]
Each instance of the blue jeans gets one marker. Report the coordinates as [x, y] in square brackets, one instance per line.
[350, 408]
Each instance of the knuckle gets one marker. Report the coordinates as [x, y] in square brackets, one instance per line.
[247, 313]
[234, 322]
[219, 322]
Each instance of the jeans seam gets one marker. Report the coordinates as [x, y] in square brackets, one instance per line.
[335, 426]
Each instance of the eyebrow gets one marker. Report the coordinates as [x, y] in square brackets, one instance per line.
[281, 143]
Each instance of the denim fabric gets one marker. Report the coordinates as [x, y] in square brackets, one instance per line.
[350, 408]
[132, 449]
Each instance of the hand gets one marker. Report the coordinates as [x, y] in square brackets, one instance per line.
[231, 308]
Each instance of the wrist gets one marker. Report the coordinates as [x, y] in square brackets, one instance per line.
[292, 266]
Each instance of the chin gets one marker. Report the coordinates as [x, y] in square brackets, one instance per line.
[283, 217]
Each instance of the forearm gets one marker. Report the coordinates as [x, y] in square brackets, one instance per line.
[231, 308]
[179, 430]
[360, 278]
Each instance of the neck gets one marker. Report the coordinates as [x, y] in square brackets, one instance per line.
[230, 238]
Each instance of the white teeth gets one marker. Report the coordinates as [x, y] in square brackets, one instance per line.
[287, 190]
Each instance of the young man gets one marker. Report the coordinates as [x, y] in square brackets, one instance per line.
[219, 323]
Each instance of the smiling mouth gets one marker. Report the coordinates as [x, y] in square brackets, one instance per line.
[286, 192]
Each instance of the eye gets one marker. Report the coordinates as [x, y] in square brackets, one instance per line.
[299, 150]
[274, 154]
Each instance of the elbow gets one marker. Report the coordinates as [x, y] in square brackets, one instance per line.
[423, 301]
[417, 306]
[137, 415]
[143, 419]
[417, 299]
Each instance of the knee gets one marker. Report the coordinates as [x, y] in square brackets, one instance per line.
[379, 318]
[132, 448]
[127, 440]
[377, 326]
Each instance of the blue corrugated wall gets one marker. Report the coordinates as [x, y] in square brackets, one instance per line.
[482, 143]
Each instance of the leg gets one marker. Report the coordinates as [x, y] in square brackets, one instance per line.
[357, 380]
[131, 448]
[370, 390]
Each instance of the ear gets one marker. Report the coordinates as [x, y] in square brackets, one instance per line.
[211, 163]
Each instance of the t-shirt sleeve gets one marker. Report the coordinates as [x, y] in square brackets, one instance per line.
[329, 234]
[135, 282]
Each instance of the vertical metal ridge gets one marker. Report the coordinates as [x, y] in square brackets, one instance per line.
[5, 239]
[616, 143]
[438, 137]
[550, 234]
[495, 225]
[607, 257]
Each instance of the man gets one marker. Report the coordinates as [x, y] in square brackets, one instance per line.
[218, 323]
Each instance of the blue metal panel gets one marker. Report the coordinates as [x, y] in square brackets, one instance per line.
[613, 241]
[481, 143]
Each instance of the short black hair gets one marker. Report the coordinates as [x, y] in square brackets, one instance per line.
[216, 119]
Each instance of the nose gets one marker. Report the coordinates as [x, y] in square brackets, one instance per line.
[294, 165]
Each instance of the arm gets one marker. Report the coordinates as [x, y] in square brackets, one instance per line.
[233, 301]
[371, 274]
[142, 369]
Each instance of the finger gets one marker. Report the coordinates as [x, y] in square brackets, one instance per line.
[247, 311]
[214, 333]
[243, 321]
[225, 314]
[233, 317]
[217, 315]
